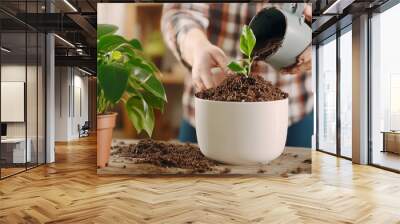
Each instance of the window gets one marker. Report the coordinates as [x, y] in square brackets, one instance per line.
[385, 89]
[346, 92]
[327, 96]
[329, 111]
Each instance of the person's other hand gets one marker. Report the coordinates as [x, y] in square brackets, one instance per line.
[205, 58]
[304, 60]
[304, 63]
[308, 12]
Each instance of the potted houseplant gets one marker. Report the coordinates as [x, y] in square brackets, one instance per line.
[242, 132]
[124, 75]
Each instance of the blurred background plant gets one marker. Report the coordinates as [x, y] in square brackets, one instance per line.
[126, 76]
[142, 21]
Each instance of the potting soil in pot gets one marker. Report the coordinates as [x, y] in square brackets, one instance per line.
[186, 156]
[240, 88]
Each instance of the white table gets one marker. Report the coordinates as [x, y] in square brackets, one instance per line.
[18, 149]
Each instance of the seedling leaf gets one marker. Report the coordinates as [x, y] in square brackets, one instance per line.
[236, 67]
[247, 41]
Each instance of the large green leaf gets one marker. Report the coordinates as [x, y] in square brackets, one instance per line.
[135, 89]
[153, 101]
[128, 51]
[136, 115]
[109, 42]
[105, 29]
[136, 44]
[150, 83]
[140, 63]
[247, 41]
[149, 122]
[113, 79]
[117, 42]
[141, 115]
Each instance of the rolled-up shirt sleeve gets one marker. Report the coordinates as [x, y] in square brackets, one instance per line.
[177, 19]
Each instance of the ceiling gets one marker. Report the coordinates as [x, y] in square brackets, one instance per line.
[75, 21]
[72, 20]
[332, 15]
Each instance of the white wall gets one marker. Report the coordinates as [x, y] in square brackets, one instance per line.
[70, 83]
[33, 127]
[61, 103]
[124, 19]
[79, 117]
[16, 73]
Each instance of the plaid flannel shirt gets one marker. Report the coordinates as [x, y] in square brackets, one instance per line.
[222, 23]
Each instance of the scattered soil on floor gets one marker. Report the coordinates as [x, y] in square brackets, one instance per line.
[163, 154]
[260, 171]
[284, 175]
[225, 170]
[296, 171]
[307, 161]
[269, 48]
[243, 89]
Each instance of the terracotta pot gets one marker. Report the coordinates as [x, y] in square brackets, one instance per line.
[105, 126]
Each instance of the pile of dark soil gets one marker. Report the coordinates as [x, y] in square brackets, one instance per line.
[164, 154]
[243, 89]
[269, 48]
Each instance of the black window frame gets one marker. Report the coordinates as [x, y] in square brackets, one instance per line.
[334, 37]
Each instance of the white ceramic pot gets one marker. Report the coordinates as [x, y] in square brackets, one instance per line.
[241, 132]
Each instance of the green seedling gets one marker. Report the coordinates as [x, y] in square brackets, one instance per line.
[247, 43]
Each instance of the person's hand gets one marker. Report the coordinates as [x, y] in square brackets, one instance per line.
[304, 63]
[308, 12]
[205, 59]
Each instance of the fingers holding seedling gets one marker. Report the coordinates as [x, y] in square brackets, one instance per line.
[207, 58]
[198, 84]
[210, 56]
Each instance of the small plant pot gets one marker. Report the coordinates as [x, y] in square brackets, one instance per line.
[105, 127]
[241, 133]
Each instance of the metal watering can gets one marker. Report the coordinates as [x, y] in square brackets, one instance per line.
[287, 25]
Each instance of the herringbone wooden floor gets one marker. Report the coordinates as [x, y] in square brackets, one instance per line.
[69, 191]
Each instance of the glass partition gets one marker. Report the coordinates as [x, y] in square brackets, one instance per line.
[41, 96]
[32, 98]
[22, 77]
[14, 145]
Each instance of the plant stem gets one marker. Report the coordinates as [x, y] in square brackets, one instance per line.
[250, 64]
[102, 104]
